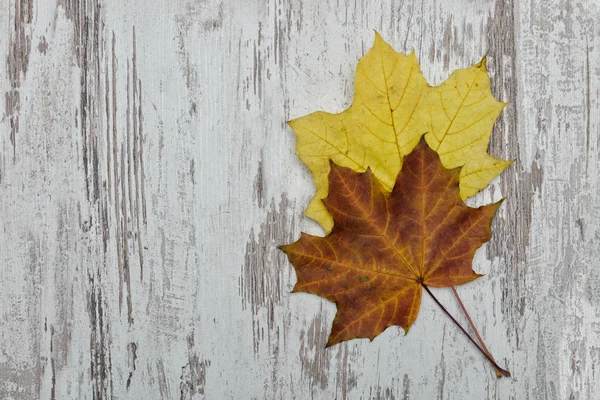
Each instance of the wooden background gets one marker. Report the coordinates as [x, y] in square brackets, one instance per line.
[147, 176]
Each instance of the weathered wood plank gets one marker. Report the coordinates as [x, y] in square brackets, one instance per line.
[147, 176]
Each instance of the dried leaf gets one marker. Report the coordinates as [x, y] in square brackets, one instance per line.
[393, 107]
[385, 246]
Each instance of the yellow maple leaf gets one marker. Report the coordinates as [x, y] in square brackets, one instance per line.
[393, 107]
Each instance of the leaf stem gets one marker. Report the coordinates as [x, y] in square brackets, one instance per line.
[464, 310]
[490, 359]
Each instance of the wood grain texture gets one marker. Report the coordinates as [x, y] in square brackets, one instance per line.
[147, 176]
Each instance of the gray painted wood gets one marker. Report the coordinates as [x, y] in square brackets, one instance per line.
[147, 176]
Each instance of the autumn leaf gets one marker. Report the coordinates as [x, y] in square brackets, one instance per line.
[385, 248]
[393, 107]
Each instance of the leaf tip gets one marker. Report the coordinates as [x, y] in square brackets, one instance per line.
[380, 44]
[412, 56]
[333, 168]
[331, 342]
[482, 64]
[492, 208]
[282, 246]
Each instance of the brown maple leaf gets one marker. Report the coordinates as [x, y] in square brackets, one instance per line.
[385, 248]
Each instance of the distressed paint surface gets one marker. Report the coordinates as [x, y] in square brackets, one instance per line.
[147, 176]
